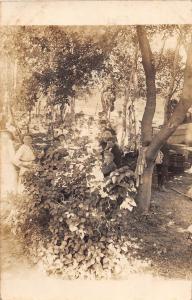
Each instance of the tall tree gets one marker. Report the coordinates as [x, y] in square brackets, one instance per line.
[173, 77]
[144, 191]
[149, 68]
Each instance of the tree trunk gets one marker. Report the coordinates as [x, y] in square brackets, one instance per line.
[172, 82]
[52, 120]
[160, 139]
[125, 108]
[15, 124]
[144, 190]
[29, 122]
[127, 102]
[161, 52]
[73, 106]
[133, 111]
[149, 69]
[15, 75]
[63, 112]
[170, 94]
[104, 104]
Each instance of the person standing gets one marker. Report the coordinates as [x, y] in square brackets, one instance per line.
[24, 159]
[161, 168]
[8, 171]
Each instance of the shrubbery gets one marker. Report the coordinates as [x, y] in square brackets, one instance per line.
[70, 217]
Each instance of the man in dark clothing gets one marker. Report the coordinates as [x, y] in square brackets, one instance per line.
[111, 155]
[162, 163]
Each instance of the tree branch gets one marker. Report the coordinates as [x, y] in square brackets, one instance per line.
[161, 52]
[149, 69]
[179, 114]
[173, 75]
[177, 84]
[127, 91]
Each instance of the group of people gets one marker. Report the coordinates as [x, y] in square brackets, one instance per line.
[16, 161]
[113, 157]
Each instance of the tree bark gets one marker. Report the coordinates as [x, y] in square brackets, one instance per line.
[172, 88]
[127, 97]
[29, 121]
[72, 106]
[161, 52]
[105, 106]
[63, 112]
[172, 81]
[149, 69]
[125, 107]
[144, 191]
[144, 195]
[15, 124]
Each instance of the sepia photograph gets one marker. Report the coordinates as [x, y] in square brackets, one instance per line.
[96, 161]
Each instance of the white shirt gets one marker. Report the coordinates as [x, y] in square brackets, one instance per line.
[24, 154]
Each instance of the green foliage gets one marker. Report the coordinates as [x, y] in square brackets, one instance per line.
[53, 60]
[70, 219]
[60, 62]
[164, 75]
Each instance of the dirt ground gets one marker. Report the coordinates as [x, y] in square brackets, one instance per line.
[162, 239]
[163, 236]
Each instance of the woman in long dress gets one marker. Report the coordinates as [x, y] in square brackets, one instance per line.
[8, 170]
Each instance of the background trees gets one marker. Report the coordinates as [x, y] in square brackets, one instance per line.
[63, 63]
[52, 61]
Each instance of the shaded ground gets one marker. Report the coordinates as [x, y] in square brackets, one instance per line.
[161, 235]
[160, 239]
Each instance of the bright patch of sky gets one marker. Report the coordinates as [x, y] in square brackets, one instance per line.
[170, 43]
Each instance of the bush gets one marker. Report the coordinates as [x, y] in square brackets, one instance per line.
[70, 218]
